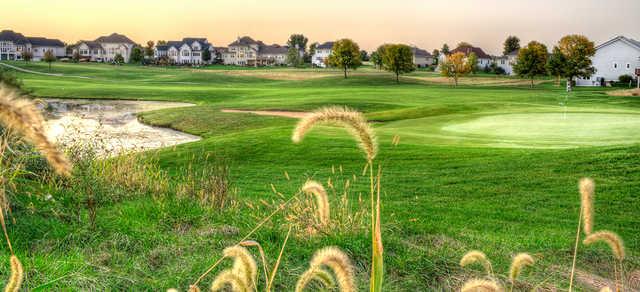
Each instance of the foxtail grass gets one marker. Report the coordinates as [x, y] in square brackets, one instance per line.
[617, 249]
[476, 256]
[340, 265]
[17, 275]
[23, 117]
[229, 278]
[322, 200]
[244, 266]
[519, 261]
[480, 285]
[586, 188]
[318, 274]
[605, 289]
[352, 120]
[265, 265]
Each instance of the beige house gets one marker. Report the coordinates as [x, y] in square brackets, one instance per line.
[421, 58]
[245, 51]
[105, 48]
[13, 45]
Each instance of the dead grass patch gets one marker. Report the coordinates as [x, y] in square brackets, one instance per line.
[625, 92]
[476, 80]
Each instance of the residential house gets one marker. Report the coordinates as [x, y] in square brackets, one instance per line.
[613, 58]
[13, 45]
[322, 53]
[421, 58]
[246, 51]
[105, 48]
[507, 61]
[484, 59]
[187, 51]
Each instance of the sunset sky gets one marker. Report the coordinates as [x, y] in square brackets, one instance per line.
[425, 23]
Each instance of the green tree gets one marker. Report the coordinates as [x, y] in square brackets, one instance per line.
[206, 55]
[398, 59]
[436, 55]
[148, 50]
[118, 59]
[312, 51]
[445, 49]
[472, 59]
[161, 42]
[27, 56]
[532, 61]
[137, 56]
[577, 51]
[556, 64]
[464, 45]
[364, 56]
[455, 66]
[346, 55]
[75, 57]
[49, 57]
[511, 44]
[293, 57]
[378, 55]
[298, 41]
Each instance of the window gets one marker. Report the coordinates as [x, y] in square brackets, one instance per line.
[628, 66]
[185, 53]
[615, 65]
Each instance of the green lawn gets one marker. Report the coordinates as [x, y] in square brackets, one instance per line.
[492, 166]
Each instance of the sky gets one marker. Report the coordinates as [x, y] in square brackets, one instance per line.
[423, 23]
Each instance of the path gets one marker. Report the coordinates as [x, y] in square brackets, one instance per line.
[286, 114]
[41, 73]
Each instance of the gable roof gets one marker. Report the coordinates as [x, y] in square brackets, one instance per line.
[325, 46]
[420, 52]
[45, 42]
[114, 38]
[629, 41]
[91, 44]
[185, 41]
[190, 41]
[10, 35]
[244, 41]
[273, 49]
[468, 50]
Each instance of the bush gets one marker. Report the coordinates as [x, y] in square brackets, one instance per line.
[625, 79]
[9, 78]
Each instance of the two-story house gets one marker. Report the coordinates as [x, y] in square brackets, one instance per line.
[246, 51]
[322, 53]
[186, 51]
[613, 58]
[421, 58]
[484, 60]
[105, 48]
[13, 45]
[507, 61]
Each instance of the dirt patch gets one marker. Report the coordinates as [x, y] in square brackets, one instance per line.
[625, 92]
[286, 114]
[476, 80]
[280, 74]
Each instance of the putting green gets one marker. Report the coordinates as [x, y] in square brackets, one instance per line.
[550, 129]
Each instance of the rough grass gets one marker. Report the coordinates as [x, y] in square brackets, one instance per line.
[442, 195]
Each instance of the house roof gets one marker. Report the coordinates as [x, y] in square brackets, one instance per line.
[273, 49]
[190, 41]
[38, 41]
[91, 44]
[244, 41]
[326, 45]
[629, 41]
[185, 41]
[114, 38]
[10, 35]
[468, 50]
[420, 52]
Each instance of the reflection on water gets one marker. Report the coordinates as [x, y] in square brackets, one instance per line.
[109, 125]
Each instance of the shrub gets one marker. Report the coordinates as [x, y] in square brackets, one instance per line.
[9, 78]
[625, 79]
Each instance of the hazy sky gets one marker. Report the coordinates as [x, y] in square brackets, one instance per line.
[425, 23]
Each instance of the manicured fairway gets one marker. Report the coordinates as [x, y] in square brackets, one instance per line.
[492, 166]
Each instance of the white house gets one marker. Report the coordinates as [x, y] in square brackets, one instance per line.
[245, 51]
[13, 45]
[507, 61]
[421, 58]
[322, 53]
[105, 48]
[616, 57]
[187, 51]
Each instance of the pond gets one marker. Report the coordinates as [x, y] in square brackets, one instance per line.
[110, 126]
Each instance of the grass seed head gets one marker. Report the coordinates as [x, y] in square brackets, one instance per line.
[354, 121]
[587, 188]
[519, 261]
[476, 256]
[605, 289]
[322, 200]
[339, 263]
[22, 116]
[228, 277]
[244, 265]
[613, 240]
[17, 274]
[319, 274]
[480, 285]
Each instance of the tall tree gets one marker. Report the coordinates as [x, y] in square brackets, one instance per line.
[293, 57]
[377, 56]
[464, 45]
[398, 59]
[346, 55]
[27, 56]
[49, 57]
[577, 50]
[436, 55]
[555, 64]
[298, 41]
[472, 59]
[148, 50]
[206, 55]
[364, 56]
[511, 44]
[532, 61]
[455, 66]
[136, 55]
[445, 49]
